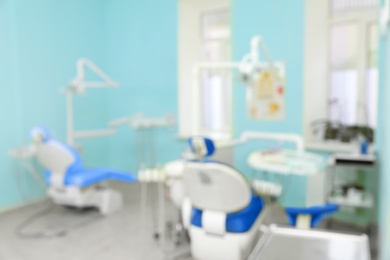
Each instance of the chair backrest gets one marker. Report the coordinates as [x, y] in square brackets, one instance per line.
[55, 156]
[216, 187]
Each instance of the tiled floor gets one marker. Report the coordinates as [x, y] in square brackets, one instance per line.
[127, 234]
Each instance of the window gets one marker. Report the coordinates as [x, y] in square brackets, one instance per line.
[341, 71]
[216, 83]
[372, 75]
[339, 6]
[204, 36]
[343, 87]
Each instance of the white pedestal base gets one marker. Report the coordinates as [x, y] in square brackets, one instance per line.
[231, 246]
[106, 200]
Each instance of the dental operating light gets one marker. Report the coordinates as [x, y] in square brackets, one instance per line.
[249, 67]
[251, 63]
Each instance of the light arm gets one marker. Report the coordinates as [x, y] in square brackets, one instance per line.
[80, 82]
[251, 135]
[250, 62]
[78, 86]
[249, 65]
[140, 121]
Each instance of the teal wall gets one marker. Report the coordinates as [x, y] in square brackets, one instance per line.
[137, 46]
[39, 43]
[283, 34]
[142, 56]
[10, 107]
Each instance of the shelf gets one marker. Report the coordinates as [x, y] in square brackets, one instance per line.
[368, 202]
[330, 146]
[352, 159]
[335, 147]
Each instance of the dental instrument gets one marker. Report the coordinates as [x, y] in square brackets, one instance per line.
[149, 171]
[139, 120]
[78, 86]
[145, 128]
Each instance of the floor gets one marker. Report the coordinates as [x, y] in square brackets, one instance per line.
[127, 234]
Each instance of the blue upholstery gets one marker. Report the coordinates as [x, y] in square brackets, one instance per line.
[86, 177]
[77, 175]
[210, 147]
[317, 213]
[237, 222]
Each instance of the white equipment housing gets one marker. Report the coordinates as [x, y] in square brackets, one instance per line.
[285, 163]
[301, 244]
[210, 246]
[209, 187]
[106, 200]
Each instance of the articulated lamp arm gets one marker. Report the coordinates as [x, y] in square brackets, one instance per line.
[79, 83]
[78, 86]
[251, 61]
[252, 135]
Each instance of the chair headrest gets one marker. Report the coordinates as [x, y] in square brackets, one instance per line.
[216, 186]
[202, 147]
[41, 134]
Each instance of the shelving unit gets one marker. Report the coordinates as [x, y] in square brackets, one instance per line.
[353, 169]
[367, 202]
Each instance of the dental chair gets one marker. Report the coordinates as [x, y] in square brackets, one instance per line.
[226, 215]
[69, 183]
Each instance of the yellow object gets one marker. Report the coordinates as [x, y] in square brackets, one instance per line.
[303, 221]
[266, 85]
[253, 112]
[273, 108]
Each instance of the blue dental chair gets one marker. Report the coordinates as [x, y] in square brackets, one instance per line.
[69, 183]
[310, 217]
[226, 215]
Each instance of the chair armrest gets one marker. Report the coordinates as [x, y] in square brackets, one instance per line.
[214, 222]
